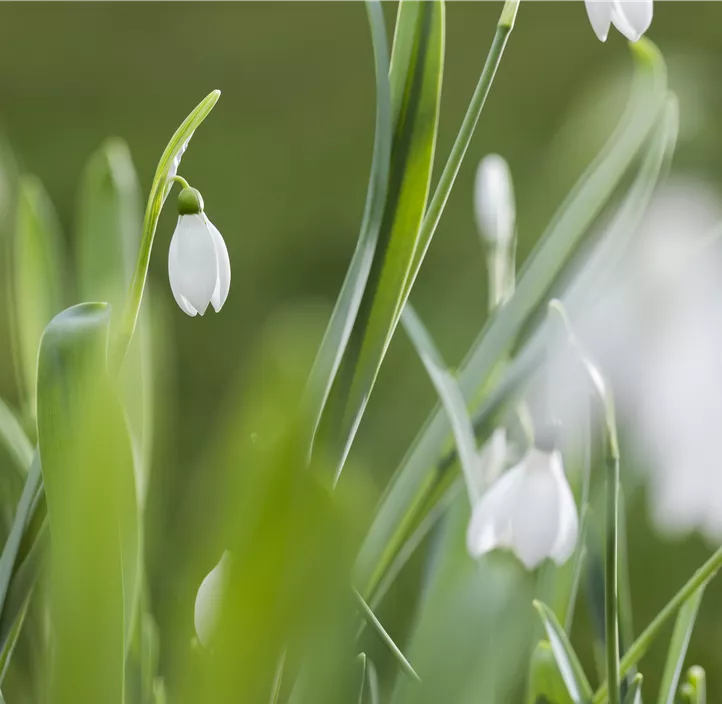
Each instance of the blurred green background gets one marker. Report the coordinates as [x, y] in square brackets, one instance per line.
[283, 163]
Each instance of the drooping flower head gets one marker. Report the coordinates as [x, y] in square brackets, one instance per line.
[529, 510]
[198, 265]
[631, 17]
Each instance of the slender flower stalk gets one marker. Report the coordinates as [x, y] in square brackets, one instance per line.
[611, 456]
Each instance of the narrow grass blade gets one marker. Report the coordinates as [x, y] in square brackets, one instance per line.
[564, 235]
[37, 277]
[369, 615]
[361, 659]
[419, 90]
[12, 544]
[569, 666]
[451, 399]
[344, 313]
[167, 168]
[92, 514]
[13, 437]
[634, 693]
[678, 648]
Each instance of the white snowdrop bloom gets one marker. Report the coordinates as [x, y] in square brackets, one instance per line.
[657, 332]
[198, 265]
[494, 200]
[631, 17]
[209, 598]
[530, 510]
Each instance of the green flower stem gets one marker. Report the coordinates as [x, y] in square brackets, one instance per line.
[181, 181]
[611, 574]
[640, 646]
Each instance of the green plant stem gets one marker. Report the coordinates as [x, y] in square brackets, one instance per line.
[611, 576]
[180, 180]
[640, 646]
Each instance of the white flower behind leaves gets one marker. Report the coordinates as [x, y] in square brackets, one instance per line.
[494, 201]
[529, 510]
[209, 600]
[199, 268]
[631, 17]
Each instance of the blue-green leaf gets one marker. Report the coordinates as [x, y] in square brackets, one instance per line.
[416, 94]
[570, 668]
[344, 313]
[87, 465]
[451, 398]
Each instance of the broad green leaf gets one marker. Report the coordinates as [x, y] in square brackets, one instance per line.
[109, 228]
[109, 225]
[92, 514]
[451, 399]
[344, 313]
[570, 668]
[159, 190]
[678, 647]
[634, 693]
[373, 621]
[13, 437]
[37, 276]
[545, 680]
[416, 96]
[565, 234]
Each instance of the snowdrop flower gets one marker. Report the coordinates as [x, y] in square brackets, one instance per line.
[494, 201]
[529, 510]
[209, 599]
[631, 17]
[198, 265]
[657, 331]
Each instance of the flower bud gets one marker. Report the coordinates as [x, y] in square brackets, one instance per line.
[190, 202]
[494, 201]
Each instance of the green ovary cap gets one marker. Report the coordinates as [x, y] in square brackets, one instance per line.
[190, 202]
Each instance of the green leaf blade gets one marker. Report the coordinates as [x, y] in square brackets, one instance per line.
[570, 668]
[92, 514]
[678, 647]
[38, 267]
[416, 106]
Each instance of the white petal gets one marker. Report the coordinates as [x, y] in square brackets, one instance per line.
[209, 599]
[568, 521]
[490, 525]
[494, 200]
[632, 17]
[223, 283]
[192, 263]
[492, 457]
[600, 16]
[535, 519]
